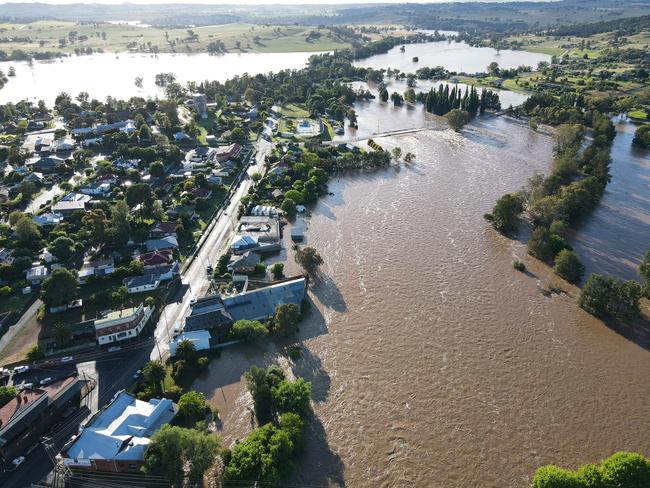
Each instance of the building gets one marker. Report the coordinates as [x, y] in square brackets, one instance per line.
[200, 339]
[49, 164]
[261, 303]
[63, 144]
[242, 243]
[244, 263]
[163, 229]
[36, 274]
[207, 313]
[28, 416]
[67, 207]
[156, 258]
[96, 188]
[140, 284]
[6, 256]
[48, 219]
[116, 437]
[100, 267]
[126, 126]
[122, 324]
[266, 229]
[169, 242]
[229, 152]
[200, 102]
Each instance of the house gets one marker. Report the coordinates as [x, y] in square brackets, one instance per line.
[200, 103]
[200, 339]
[100, 267]
[36, 274]
[261, 303]
[181, 136]
[263, 227]
[178, 210]
[163, 229]
[63, 144]
[244, 263]
[264, 210]
[164, 272]
[229, 152]
[126, 164]
[117, 436]
[139, 284]
[4, 194]
[213, 179]
[66, 207]
[76, 197]
[48, 219]
[121, 324]
[169, 242]
[156, 258]
[126, 126]
[35, 177]
[207, 313]
[241, 244]
[277, 194]
[204, 193]
[50, 164]
[96, 188]
[25, 418]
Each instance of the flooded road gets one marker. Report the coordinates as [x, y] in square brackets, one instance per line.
[433, 362]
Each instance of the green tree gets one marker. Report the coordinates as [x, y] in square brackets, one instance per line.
[285, 319]
[62, 335]
[186, 351]
[63, 248]
[309, 260]
[60, 288]
[457, 119]
[35, 353]
[120, 217]
[7, 393]
[156, 169]
[292, 396]
[154, 373]
[27, 232]
[288, 206]
[506, 212]
[626, 470]
[604, 295]
[139, 194]
[644, 271]
[192, 406]
[249, 330]
[277, 270]
[554, 477]
[539, 244]
[260, 382]
[568, 266]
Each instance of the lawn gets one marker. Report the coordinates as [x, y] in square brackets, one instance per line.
[292, 110]
[638, 114]
[14, 303]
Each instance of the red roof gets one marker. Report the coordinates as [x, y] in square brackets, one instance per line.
[154, 258]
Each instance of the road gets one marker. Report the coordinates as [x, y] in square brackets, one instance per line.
[216, 238]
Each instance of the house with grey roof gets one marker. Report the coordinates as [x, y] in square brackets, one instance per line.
[139, 284]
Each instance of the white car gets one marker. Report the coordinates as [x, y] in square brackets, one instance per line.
[45, 381]
[114, 349]
[18, 461]
[21, 369]
[137, 374]
[67, 359]
[4, 372]
[27, 386]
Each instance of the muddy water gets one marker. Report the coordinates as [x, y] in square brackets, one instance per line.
[616, 236]
[434, 363]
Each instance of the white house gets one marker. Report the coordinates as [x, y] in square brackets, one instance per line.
[200, 339]
[36, 274]
[139, 284]
[122, 324]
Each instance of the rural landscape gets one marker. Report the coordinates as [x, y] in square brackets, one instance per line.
[356, 244]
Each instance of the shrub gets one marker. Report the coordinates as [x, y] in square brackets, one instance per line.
[519, 265]
[568, 266]
[249, 330]
[506, 212]
[292, 396]
[604, 295]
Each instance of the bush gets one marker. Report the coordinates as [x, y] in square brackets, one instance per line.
[174, 393]
[192, 406]
[35, 353]
[506, 212]
[292, 396]
[249, 330]
[285, 319]
[519, 265]
[642, 136]
[607, 296]
[457, 119]
[568, 266]
[277, 270]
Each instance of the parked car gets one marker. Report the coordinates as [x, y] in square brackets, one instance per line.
[67, 359]
[21, 369]
[5, 372]
[17, 462]
[27, 386]
[114, 349]
[45, 381]
[137, 374]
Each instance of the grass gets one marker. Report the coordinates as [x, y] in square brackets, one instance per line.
[45, 36]
[292, 110]
[14, 303]
[638, 114]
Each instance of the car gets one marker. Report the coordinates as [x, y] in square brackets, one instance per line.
[26, 386]
[137, 374]
[21, 369]
[5, 372]
[209, 269]
[114, 349]
[17, 462]
[67, 359]
[45, 381]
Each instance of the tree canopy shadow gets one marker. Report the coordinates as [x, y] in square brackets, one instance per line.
[311, 368]
[636, 330]
[328, 293]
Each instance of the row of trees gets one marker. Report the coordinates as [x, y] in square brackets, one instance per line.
[443, 100]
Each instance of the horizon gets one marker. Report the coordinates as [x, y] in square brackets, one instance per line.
[256, 2]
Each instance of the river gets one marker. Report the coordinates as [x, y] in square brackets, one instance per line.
[434, 363]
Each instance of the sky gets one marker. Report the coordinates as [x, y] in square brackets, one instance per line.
[243, 2]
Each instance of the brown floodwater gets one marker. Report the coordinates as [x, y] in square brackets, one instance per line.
[434, 363]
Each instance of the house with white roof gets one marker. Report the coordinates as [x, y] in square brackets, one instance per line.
[117, 436]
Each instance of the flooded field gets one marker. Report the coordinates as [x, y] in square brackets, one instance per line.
[434, 363]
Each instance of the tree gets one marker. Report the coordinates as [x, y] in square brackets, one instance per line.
[120, 215]
[172, 448]
[7, 393]
[292, 396]
[493, 69]
[397, 153]
[568, 266]
[192, 406]
[35, 353]
[249, 330]
[539, 244]
[644, 271]
[155, 372]
[63, 248]
[60, 288]
[277, 270]
[285, 319]
[288, 206]
[186, 351]
[607, 296]
[457, 119]
[506, 212]
[139, 194]
[62, 335]
[156, 169]
[309, 260]
[27, 232]
[260, 382]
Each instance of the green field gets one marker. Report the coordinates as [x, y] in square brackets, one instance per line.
[65, 37]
